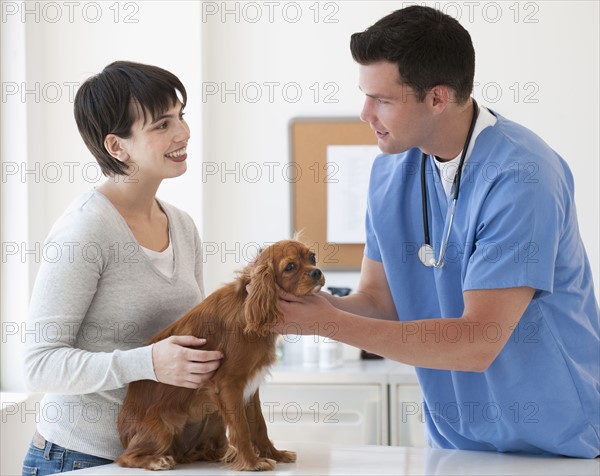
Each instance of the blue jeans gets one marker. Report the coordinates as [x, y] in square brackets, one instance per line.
[45, 458]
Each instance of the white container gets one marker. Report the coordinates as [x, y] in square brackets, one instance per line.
[330, 353]
[310, 350]
[292, 349]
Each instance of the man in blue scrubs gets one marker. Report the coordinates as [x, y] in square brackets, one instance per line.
[505, 335]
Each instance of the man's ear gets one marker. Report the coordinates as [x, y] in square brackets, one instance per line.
[114, 146]
[441, 96]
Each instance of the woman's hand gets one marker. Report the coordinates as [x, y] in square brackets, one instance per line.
[176, 364]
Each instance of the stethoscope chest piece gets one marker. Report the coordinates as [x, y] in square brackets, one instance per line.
[427, 256]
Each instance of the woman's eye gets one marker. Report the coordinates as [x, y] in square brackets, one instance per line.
[162, 125]
[290, 267]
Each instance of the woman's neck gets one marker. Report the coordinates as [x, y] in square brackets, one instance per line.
[131, 198]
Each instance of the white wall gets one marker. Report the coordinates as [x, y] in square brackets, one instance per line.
[537, 63]
[533, 59]
[46, 167]
[48, 49]
[20, 414]
[550, 51]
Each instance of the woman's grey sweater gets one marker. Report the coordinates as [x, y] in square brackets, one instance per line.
[97, 299]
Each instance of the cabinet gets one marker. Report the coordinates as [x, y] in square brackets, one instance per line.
[406, 415]
[362, 402]
[341, 414]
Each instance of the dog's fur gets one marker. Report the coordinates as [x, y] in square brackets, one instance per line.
[161, 425]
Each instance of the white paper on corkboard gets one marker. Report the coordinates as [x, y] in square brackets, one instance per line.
[349, 168]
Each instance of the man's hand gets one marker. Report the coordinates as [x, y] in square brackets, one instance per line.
[304, 315]
[175, 364]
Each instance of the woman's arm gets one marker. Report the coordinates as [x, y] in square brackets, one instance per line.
[63, 293]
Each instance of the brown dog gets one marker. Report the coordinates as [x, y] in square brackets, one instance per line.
[161, 425]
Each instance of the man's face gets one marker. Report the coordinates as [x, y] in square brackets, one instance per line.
[392, 109]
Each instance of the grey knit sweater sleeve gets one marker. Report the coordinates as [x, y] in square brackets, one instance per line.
[97, 299]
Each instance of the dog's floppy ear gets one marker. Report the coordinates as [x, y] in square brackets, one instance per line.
[261, 307]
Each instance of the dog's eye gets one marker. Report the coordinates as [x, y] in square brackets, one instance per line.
[313, 258]
[290, 267]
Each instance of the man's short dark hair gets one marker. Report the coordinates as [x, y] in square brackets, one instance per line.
[111, 101]
[429, 47]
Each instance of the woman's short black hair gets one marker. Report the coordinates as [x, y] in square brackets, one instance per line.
[111, 101]
[429, 47]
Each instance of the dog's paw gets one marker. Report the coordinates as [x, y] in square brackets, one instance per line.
[160, 463]
[230, 454]
[284, 456]
[260, 464]
[281, 456]
[265, 464]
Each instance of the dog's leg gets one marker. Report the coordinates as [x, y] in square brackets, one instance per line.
[261, 438]
[139, 455]
[153, 444]
[241, 454]
[211, 441]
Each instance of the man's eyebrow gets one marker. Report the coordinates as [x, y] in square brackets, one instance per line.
[376, 96]
[379, 96]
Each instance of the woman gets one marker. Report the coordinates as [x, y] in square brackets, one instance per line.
[130, 265]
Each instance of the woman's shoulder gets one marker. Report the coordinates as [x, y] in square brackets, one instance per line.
[89, 216]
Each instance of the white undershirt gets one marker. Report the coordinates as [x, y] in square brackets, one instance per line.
[448, 169]
[163, 260]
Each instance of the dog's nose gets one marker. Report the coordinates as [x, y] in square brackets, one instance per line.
[315, 274]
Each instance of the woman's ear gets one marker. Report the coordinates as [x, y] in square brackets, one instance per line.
[261, 307]
[114, 146]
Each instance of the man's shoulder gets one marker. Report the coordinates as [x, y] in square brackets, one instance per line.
[515, 135]
[386, 165]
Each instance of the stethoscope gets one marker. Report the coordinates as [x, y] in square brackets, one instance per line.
[426, 253]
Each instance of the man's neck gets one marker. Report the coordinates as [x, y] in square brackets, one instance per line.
[452, 134]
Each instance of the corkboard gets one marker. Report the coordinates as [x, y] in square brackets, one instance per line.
[309, 141]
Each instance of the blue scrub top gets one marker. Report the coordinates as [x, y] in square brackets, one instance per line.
[515, 225]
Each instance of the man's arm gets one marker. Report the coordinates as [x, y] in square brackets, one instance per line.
[372, 297]
[470, 342]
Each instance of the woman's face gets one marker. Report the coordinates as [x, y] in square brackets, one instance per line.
[156, 149]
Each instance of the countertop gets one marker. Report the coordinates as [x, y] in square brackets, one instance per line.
[319, 459]
[381, 371]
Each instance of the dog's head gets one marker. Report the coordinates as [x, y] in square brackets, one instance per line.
[288, 264]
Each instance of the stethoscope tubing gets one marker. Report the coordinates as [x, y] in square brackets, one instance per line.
[427, 247]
